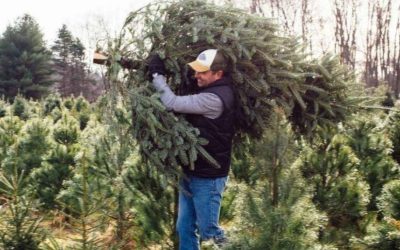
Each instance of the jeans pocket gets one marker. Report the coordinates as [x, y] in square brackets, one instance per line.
[219, 184]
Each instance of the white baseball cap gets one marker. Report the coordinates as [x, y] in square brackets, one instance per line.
[204, 60]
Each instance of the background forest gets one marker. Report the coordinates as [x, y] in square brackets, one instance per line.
[74, 173]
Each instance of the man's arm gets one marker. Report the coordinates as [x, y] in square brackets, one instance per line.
[207, 104]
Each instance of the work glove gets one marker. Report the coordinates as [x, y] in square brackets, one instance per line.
[159, 81]
[156, 65]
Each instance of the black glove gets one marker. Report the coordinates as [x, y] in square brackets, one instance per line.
[156, 65]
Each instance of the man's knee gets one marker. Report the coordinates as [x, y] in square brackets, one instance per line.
[185, 227]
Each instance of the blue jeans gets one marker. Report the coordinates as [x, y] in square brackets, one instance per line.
[199, 205]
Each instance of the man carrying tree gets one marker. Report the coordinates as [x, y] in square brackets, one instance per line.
[211, 110]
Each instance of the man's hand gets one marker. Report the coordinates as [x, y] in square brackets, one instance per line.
[159, 81]
[156, 65]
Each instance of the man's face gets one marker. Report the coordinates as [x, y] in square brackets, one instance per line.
[205, 78]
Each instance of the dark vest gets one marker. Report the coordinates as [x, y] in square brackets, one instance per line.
[219, 132]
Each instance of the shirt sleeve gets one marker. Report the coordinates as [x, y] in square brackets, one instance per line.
[206, 104]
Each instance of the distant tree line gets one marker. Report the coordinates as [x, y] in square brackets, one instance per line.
[31, 69]
[366, 34]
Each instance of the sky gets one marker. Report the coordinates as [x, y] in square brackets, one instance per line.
[86, 19]
[76, 14]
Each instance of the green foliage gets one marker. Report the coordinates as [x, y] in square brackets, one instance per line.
[276, 211]
[59, 163]
[19, 226]
[83, 120]
[68, 55]
[50, 103]
[69, 103]
[369, 138]
[231, 193]
[82, 203]
[154, 205]
[66, 131]
[29, 151]
[20, 108]
[83, 110]
[3, 108]
[24, 60]
[50, 177]
[381, 235]
[81, 104]
[166, 141]
[113, 156]
[394, 122]
[389, 200]
[46, 147]
[10, 127]
[340, 190]
[266, 67]
[292, 224]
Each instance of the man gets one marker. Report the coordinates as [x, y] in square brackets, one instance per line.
[211, 110]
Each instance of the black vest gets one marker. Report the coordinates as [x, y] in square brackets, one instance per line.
[219, 132]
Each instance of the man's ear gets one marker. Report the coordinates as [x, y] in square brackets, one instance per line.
[220, 73]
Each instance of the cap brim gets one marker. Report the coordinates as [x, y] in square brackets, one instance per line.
[198, 67]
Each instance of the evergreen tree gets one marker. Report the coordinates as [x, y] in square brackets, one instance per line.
[59, 164]
[394, 122]
[30, 149]
[132, 186]
[155, 201]
[19, 226]
[25, 65]
[340, 190]
[268, 69]
[369, 138]
[19, 218]
[82, 202]
[10, 127]
[69, 54]
[3, 108]
[384, 234]
[113, 152]
[20, 108]
[62, 57]
[51, 102]
[276, 211]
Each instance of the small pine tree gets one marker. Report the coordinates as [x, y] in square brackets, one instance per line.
[10, 127]
[277, 211]
[340, 190]
[3, 108]
[113, 151]
[49, 178]
[19, 226]
[368, 136]
[20, 108]
[394, 122]
[389, 200]
[384, 234]
[82, 202]
[31, 147]
[50, 103]
[59, 163]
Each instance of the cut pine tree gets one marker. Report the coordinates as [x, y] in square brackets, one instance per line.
[268, 69]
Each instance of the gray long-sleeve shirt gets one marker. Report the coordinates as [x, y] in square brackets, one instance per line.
[206, 104]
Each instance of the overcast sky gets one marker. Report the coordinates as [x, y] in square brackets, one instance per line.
[76, 14]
